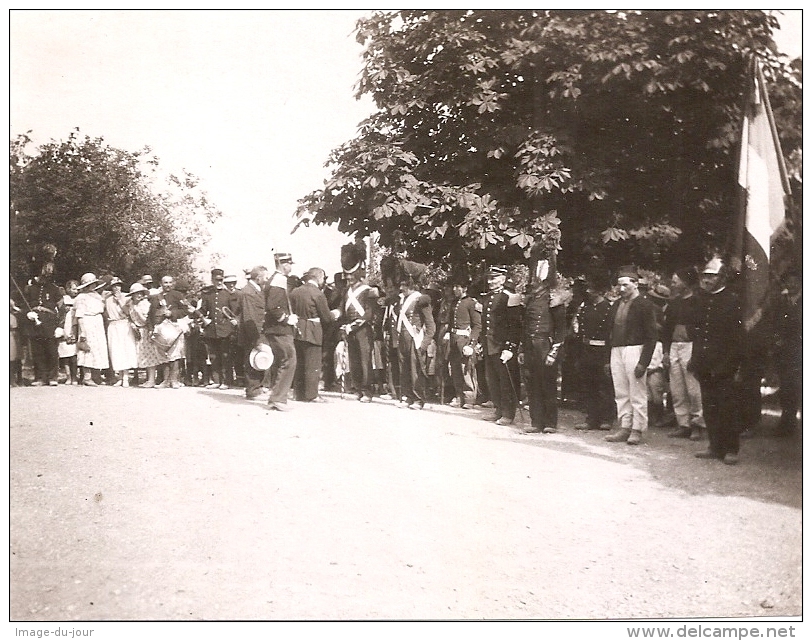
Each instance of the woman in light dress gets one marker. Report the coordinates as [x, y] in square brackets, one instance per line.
[67, 342]
[148, 353]
[121, 340]
[91, 346]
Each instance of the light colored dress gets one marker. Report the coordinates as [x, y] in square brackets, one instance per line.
[147, 351]
[88, 309]
[121, 340]
[66, 349]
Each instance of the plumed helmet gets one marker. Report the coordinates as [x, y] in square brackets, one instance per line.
[353, 256]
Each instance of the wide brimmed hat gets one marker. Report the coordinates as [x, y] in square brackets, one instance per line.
[261, 357]
[115, 281]
[87, 280]
[135, 288]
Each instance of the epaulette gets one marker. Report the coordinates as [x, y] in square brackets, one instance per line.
[478, 306]
[514, 300]
[279, 280]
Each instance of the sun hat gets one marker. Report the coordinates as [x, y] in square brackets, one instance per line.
[87, 280]
[261, 357]
[135, 288]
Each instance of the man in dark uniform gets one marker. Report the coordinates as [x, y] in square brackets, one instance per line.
[465, 324]
[389, 328]
[238, 354]
[789, 351]
[500, 343]
[218, 328]
[442, 339]
[715, 361]
[249, 330]
[592, 328]
[309, 303]
[416, 329]
[280, 324]
[41, 308]
[545, 320]
[357, 311]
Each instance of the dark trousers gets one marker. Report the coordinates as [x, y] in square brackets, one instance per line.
[393, 371]
[253, 377]
[412, 366]
[359, 351]
[500, 388]
[284, 357]
[45, 354]
[598, 392]
[308, 371]
[719, 403]
[542, 382]
[221, 364]
[482, 393]
[457, 362]
[790, 391]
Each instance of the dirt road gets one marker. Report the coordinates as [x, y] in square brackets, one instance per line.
[130, 504]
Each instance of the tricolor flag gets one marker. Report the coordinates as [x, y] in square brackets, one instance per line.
[762, 186]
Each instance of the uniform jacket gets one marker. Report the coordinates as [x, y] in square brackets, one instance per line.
[465, 315]
[389, 324]
[541, 320]
[309, 303]
[211, 307]
[367, 298]
[501, 323]
[277, 307]
[46, 296]
[417, 311]
[719, 339]
[641, 327]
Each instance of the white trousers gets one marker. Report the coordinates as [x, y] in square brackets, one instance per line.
[631, 393]
[686, 395]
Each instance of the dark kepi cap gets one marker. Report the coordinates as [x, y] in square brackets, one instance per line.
[496, 270]
[216, 272]
[628, 271]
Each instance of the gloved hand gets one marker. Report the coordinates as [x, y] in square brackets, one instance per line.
[32, 316]
[446, 336]
[206, 322]
[506, 355]
[293, 319]
[59, 332]
[552, 355]
[467, 350]
[334, 313]
[234, 322]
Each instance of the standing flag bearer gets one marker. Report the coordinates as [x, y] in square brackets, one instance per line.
[762, 186]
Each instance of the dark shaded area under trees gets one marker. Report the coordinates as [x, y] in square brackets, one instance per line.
[105, 209]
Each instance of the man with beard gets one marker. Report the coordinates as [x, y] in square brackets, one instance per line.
[501, 330]
[715, 361]
[41, 309]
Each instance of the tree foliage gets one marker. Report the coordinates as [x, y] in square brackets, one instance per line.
[104, 209]
[493, 125]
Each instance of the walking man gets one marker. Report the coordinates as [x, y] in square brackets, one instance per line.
[280, 324]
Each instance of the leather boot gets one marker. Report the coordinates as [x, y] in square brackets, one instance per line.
[697, 433]
[619, 436]
[680, 432]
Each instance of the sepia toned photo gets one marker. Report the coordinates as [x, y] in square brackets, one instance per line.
[428, 316]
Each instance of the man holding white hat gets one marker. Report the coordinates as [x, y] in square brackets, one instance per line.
[279, 327]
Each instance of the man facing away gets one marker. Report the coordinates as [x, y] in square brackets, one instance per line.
[310, 305]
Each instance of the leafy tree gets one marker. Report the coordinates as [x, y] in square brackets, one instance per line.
[495, 127]
[104, 209]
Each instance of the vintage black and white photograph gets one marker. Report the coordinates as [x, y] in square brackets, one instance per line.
[418, 315]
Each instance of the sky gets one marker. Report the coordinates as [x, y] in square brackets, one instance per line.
[252, 102]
